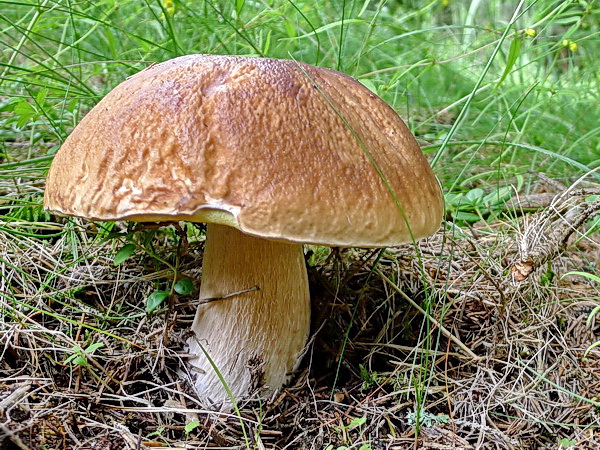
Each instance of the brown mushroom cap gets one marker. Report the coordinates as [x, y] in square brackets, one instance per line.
[279, 149]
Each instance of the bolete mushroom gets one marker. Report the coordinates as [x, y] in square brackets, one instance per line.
[272, 154]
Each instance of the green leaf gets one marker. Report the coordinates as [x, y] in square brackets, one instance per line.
[9, 104]
[474, 196]
[71, 358]
[369, 85]
[125, 252]
[513, 55]
[191, 426]
[566, 442]
[591, 316]
[267, 44]
[239, 5]
[155, 299]
[498, 197]
[466, 216]
[591, 276]
[357, 422]
[157, 432]
[364, 7]
[364, 373]
[92, 348]
[290, 29]
[40, 98]
[80, 360]
[78, 357]
[453, 199]
[24, 111]
[184, 287]
[589, 349]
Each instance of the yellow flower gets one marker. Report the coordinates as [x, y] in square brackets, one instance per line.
[169, 7]
[530, 32]
[571, 45]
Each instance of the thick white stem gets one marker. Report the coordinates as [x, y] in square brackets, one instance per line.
[255, 337]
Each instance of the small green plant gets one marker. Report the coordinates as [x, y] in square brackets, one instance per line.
[191, 426]
[123, 254]
[80, 356]
[154, 300]
[370, 379]
[475, 205]
[425, 419]
[317, 254]
[567, 443]
[157, 434]
[30, 210]
[157, 297]
[344, 447]
[356, 423]
[547, 276]
[184, 287]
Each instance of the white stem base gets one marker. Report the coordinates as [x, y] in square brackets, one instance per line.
[253, 338]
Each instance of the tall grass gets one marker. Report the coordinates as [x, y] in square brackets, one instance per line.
[424, 58]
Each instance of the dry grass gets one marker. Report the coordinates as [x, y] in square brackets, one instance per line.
[500, 361]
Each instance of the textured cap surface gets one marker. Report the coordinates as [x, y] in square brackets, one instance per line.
[288, 150]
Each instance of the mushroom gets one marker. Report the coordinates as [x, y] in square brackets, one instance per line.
[273, 154]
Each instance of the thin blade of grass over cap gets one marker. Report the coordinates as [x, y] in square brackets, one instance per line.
[365, 150]
[426, 292]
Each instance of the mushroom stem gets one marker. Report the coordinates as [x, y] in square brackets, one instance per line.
[255, 337]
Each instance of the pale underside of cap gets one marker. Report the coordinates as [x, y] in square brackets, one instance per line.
[276, 148]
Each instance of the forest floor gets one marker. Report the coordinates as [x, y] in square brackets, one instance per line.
[475, 338]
